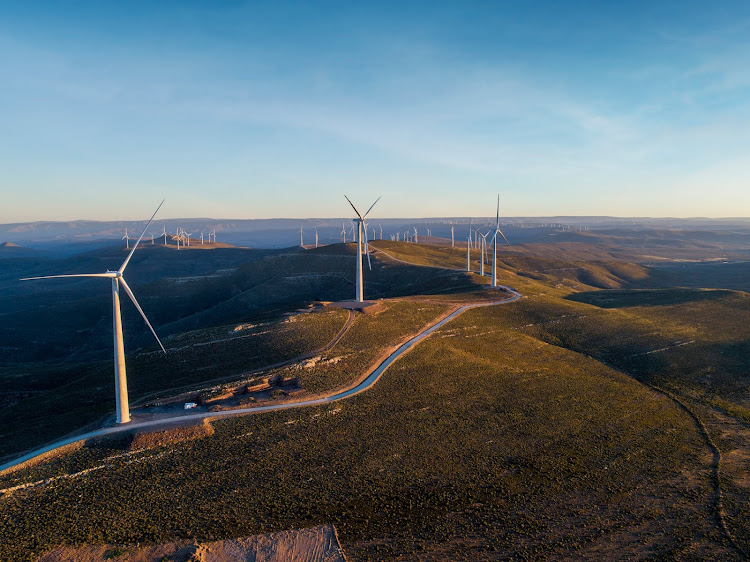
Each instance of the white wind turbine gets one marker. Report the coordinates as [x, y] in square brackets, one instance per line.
[164, 233]
[453, 239]
[301, 240]
[152, 239]
[494, 244]
[126, 238]
[316, 236]
[343, 231]
[381, 231]
[201, 238]
[187, 235]
[121, 382]
[359, 221]
[484, 252]
[416, 237]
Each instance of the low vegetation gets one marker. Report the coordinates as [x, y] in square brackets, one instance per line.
[524, 431]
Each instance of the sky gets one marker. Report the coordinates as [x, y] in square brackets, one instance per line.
[278, 109]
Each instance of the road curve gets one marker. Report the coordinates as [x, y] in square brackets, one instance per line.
[342, 395]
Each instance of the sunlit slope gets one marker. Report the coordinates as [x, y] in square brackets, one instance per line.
[480, 443]
[553, 266]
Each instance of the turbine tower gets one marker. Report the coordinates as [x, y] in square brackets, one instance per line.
[164, 233]
[453, 240]
[316, 236]
[118, 281]
[301, 240]
[494, 244]
[468, 252]
[359, 221]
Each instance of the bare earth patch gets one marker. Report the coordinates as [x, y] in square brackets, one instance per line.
[315, 544]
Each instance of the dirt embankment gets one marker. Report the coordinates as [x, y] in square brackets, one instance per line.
[316, 544]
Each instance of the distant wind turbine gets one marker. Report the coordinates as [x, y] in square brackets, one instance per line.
[494, 244]
[201, 238]
[483, 252]
[316, 236]
[453, 240]
[301, 240]
[359, 221]
[343, 232]
[164, 233]
[121, 383]
[126, 238]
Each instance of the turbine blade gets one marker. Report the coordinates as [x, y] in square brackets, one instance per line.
[135, 302]
[355, 208]
[110, 275]
[504, 238]
[371, 206]
[125, 263]
[497, 222]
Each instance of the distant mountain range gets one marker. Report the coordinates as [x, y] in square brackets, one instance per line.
[83, 235]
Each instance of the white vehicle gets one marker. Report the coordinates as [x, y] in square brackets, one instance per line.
[190, 405]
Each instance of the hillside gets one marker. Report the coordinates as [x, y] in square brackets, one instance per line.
[568, 424]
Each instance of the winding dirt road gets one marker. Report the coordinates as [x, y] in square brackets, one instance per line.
[364, 385]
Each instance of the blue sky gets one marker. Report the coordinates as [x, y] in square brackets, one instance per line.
[260, 109]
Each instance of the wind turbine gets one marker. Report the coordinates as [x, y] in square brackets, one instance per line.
[187, 235]
[118, 281]
[301, 241]
[201, 238]
[126, 238]
[343, 231]
[494, 244]
[359, 221]
[381, 231]
[453, 240]
[316, 236]
[164, 233]
[152, 239]
[484, 253]
[416, 238]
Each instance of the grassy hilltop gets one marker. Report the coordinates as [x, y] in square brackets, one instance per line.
[569, 424]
